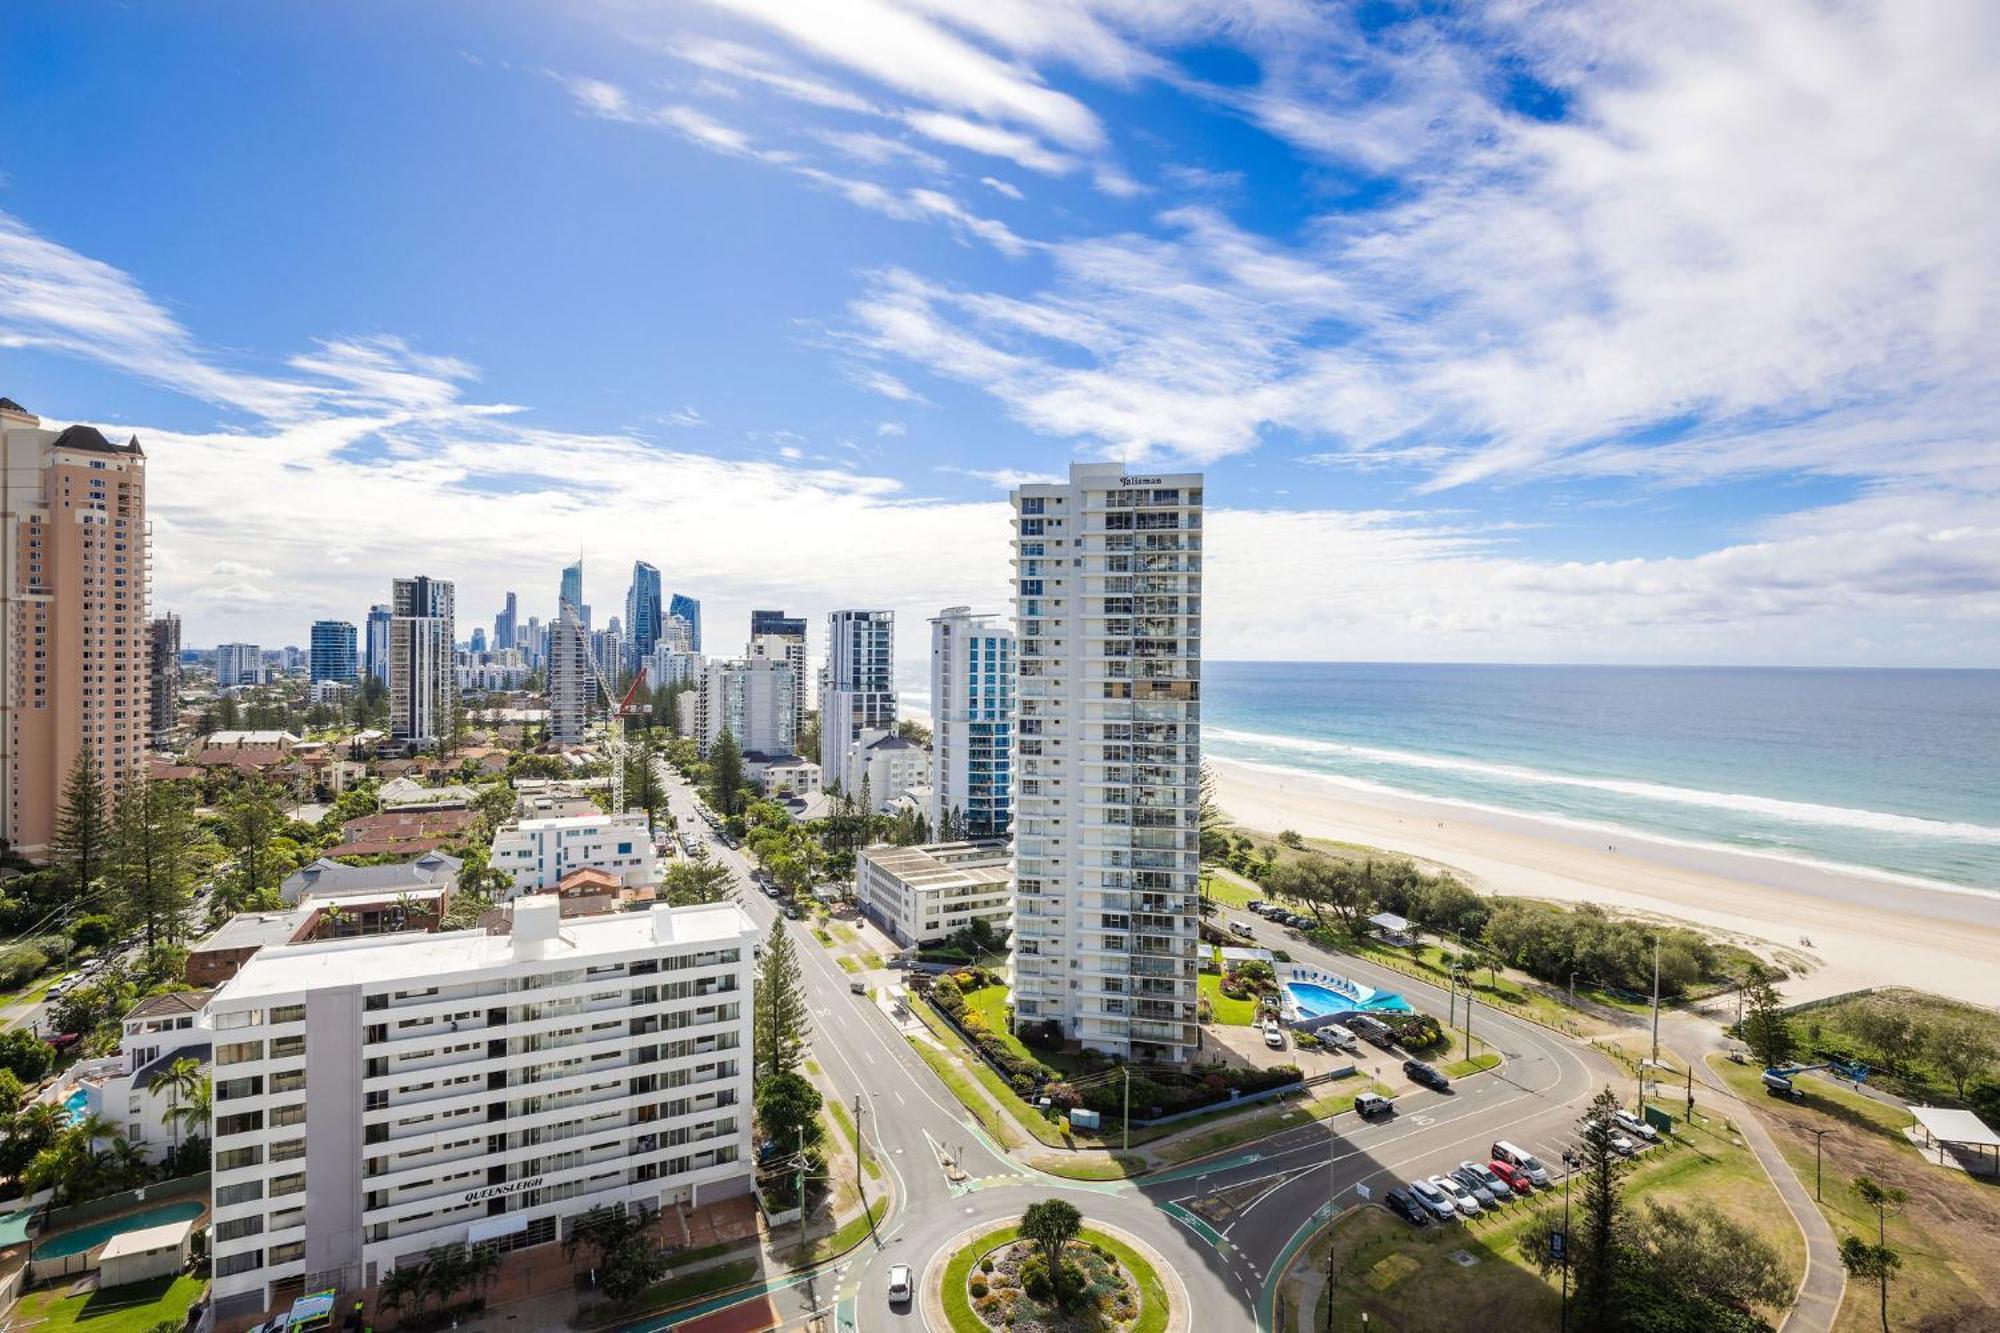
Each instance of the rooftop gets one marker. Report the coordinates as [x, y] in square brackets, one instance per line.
[327, 876]
[254, 930]
[174, 1002]
[435, 959]
[92, 439]
[944, 865]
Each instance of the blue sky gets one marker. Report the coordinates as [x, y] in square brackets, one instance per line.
[1555, 332]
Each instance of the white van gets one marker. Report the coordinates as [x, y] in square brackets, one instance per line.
[1239, 928]
[1520, 1157]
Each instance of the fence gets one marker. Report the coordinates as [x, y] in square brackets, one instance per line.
[72, 1215]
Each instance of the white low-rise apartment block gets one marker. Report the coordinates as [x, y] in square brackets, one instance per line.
[537, 853]
[378, 1097]
[781, 773]
[921, 895]
[130, 1090]
[880, 766]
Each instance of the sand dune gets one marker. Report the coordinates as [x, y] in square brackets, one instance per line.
[1864, 930]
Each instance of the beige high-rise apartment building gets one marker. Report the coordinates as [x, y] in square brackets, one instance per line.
[74, 649]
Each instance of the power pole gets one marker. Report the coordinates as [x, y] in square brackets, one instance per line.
[1451, 1006]
[1819, 1136]
[1468, 1022]
[1126, 1119]
[860, 1151]
[802, 1193]
[1656, 999]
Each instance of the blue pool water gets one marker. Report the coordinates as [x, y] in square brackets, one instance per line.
[90, 1237]
[1314, 1000]
[77, 1104]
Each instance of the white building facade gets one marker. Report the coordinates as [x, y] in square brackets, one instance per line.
[880, 766]
[972, 725]
[472, 1088]
[859, 691]
[537, 853]
[922, 895]
[753, 700]
[238, 664]
[1108, 758]
[570, 679]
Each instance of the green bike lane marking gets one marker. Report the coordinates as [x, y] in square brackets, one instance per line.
[1197, 1225]
[1267, 1304]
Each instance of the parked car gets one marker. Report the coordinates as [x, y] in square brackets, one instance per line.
[1434, 1200]
[1339, 1036]
[899, 1284]
[1258, 905]
[1368, 1105]
[1274, 1036]
[1427, 1074]
[1520, 1158]
[1620, 1142]
[1633, 1125]
[1517, 1179]
[858, 986]
[62, 1041]
[1239, 928]
[1402, 1205]
[1370, 1030]
[1496, 1189]
[1460, 1196]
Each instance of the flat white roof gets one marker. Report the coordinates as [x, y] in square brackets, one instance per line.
[575, 821]
[374, 959]
[166, 1236]
[1951, 1126]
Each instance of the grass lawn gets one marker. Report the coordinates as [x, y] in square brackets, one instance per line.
[1228, 889]
[1406, 1280]
[1120, 1167]
[990, 1003]
[1228, 1012]
[1483, 1060]
[1943, 1234]
[849, 1236]
[129, 1309]
[952, 1074]
[693, 1286]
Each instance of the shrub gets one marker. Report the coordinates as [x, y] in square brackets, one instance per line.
[978, 1287]
[986, 1264]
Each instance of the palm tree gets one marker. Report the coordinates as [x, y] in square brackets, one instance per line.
[483, 1265]
[194, 1112]
[128, 1160]
[400, 1284]
[179, 1082]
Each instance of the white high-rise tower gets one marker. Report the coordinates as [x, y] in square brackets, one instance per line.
[1107, 742]
[972, 725]
[858, 692]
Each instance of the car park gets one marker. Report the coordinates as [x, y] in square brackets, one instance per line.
[1496, 1189]
[1371, 1104]
[1434, 1200]
[1636, 1127]
[1461, 1197]
[1427, 1074]
[899, 1284]
[1523, 1160]
[1620, 1142]
[1258, 905]
[1402, 1205]
[1517, 1179]
[1274, 1036]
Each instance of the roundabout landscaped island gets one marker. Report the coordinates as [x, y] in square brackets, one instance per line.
[998, 1278]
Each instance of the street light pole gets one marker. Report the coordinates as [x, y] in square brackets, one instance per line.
[1819, 1137]
[1656, 999]
[1569, 1169]
[1126, 1119]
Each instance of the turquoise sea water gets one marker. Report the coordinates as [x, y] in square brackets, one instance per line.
[1895, 771]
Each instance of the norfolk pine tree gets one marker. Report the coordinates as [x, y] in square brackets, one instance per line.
[782, 1021]
[83, 823]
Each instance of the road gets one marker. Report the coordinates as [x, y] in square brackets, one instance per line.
[1229, 1273]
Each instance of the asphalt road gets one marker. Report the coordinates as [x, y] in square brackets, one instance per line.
[1229, 1274]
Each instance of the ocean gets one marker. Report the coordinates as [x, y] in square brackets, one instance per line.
[1884, 771]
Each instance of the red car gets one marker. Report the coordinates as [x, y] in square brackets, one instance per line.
[1516, 1178]
[62, 1041]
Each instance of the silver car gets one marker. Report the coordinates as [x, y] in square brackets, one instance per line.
[899, 1284]
[1459, 1195]
[1479, 1177]
[1434, 1200]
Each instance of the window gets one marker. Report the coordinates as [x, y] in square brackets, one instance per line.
[228, 1265]
[292, 1184]
[238, 1052]
[236, 1228]
[287, 1253]
[235, 1159]
[288, 1115]
[226, 1195]
[249, 1122]
[289, 1013]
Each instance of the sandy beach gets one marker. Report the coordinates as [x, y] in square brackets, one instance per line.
[1864, 930]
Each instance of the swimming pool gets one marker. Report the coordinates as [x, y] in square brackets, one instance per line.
[94, 1235]
[1313, 1000]
[77, 1104]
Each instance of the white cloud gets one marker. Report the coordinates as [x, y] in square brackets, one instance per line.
[1001, 187]
[888, 428]
[749, 64]
[882, 382]
[1024, 150]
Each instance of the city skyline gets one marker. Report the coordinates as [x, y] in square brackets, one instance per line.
[1477, 340]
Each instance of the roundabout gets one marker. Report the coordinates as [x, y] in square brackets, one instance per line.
[991, 1277]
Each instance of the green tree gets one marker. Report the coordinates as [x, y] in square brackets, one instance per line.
[25, 1055]
[788, 1108]
[251, 819]
[1701, 1251]
[1602, 1214]
[782, 1021]
[642, 776]
[152, 857]
[1050, 1225]
[1214, 824]
[83, 824]
[178, 1082]
[1962, 1048]
[699, 879]
[1765, 1028]
[402, 1287]
[1871, 1263]
[725, 775]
